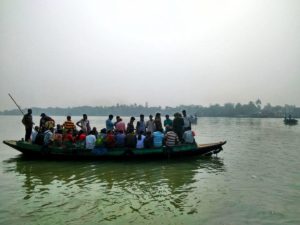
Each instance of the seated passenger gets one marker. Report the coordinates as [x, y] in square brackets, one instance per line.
[95, 132]
[68, 137]
[171, 138]
[34, 134]
[90, 141]
[103, 133]
[158, 138]
[188, 137]
[140, 140]
[39, 140]
[130, 140]
[110, 141]
[148, 142]
[120, 139]
[58, 135]
[80, 136]
[48, 137]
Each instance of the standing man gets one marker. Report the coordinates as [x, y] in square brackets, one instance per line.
[120, 126]
[168, 123]
[109, 124]
[46, 122]
[27, 121]
[68, 124]
[150, 125]
[187, 122]
[178, 125]
[141, 125]
[84, 124]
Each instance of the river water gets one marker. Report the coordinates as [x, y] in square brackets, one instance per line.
[255, 180]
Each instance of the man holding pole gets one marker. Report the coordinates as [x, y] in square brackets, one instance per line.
[27, 121]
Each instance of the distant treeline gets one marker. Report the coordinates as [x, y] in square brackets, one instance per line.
[252, 109]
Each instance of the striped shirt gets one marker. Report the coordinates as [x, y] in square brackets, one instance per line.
[171, 138]
[69, 125]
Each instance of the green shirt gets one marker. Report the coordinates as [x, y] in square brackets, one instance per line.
[168, 122]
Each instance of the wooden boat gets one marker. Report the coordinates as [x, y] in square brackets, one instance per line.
[290, 121]
[79, 152]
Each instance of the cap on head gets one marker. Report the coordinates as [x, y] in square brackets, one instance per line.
[43, 114]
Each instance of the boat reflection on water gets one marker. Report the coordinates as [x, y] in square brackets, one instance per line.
[163, 182]
[175, 172]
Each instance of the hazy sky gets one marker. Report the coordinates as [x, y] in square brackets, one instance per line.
[164, 52]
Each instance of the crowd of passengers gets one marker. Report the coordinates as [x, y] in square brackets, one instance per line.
[152, 133]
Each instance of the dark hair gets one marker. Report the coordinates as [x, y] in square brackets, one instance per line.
[68, 117]
[110, 116]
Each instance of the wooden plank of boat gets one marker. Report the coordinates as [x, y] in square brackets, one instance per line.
[80, 152]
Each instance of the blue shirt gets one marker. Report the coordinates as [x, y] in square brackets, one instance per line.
[109, 125]
[47, 137]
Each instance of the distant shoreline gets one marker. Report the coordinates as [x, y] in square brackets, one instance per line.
[250, 110]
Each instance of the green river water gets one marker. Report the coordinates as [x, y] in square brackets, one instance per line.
[255, 180]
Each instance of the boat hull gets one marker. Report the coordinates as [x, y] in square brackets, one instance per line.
[290, 121]
[32, 150]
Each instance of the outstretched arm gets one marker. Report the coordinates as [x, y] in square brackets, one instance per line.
[78, 124]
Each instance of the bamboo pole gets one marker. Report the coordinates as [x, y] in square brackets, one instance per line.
[16, 104]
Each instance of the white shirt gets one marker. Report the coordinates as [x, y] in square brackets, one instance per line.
[33, 135]
[150, 125]
[140, 143]
[187, 122]
[188, 137]
[90, 141]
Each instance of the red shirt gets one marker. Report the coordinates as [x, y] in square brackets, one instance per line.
[68, 137]
[81, 137]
